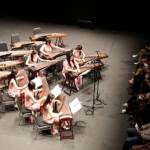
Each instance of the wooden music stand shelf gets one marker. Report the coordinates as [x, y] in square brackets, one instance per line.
[69, 119]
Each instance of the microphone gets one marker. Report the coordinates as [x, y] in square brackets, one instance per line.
[97, 51]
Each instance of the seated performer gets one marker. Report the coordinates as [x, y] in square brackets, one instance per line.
[13, 88]
[30, 101]
[49, 116]
[70, 64]
[47, 48]
[77, 52]
[32, 61]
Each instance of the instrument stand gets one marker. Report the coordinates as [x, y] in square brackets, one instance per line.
[96, 101]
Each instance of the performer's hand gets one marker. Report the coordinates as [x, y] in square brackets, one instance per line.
[78, 70]
[25, 86]
[22, 77]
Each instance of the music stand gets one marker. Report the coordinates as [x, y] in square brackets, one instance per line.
[75, 106]
[90, 110]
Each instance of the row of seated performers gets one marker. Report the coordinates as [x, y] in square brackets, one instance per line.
[138, 105]
[29, 89]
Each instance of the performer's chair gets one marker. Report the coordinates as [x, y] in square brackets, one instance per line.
[69, 119]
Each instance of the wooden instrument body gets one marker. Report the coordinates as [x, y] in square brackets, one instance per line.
[47, 35]
[11, 63]
[92, 57]
[21, 44]
[20, 53]
[84, 68]
[42, 65]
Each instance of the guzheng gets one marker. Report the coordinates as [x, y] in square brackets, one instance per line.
[83, 69]
[20, 53]
[24, 81]
[64, 105]
[5, 54]
[18, 45]
[4, 74]
[93, 57]
[47, 35]
[53, 55]
[45, 88]
[11, 63]
[42, 65]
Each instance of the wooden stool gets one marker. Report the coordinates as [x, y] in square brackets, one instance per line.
[69, 120]
[71, 84]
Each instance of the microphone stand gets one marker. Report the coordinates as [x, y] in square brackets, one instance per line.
[99, 102]
[90, 110]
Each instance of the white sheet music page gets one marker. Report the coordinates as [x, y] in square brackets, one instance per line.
[56, 91]
[75, 105]
[37, 82]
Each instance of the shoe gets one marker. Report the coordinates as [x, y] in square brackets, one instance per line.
[132, 124]
[125, 104]
[136, 63]
[130, 119]
[123, 111]
[134, 56]
[65, 128]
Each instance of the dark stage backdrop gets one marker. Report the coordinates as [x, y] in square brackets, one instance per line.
[113, 14]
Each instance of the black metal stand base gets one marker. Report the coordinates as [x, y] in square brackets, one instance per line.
[79, 124]
[90, 110]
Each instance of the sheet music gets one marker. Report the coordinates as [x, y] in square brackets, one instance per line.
[37, 82]
[56, 91]
[75, 105]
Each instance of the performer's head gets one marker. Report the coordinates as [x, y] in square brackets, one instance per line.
[48, 41]
[79, 47]
[31, 85]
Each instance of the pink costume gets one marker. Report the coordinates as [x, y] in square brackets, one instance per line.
[78, 80]
[48, 119]
[76, 53]
[47, 48]
[12, 91]
[46, 116]
[35, 58]
[29, 103]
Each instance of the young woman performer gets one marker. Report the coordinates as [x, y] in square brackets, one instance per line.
[77, 52]
[70, 64]
[49, 116]
[30, 101]
[13, 88]
[47, 48]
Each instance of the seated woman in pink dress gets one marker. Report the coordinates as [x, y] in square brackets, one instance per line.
[30, 101]
[49, 116]
[13, 88]
[70, 64]
[47, 48]
[32, 61]
[77, 52]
